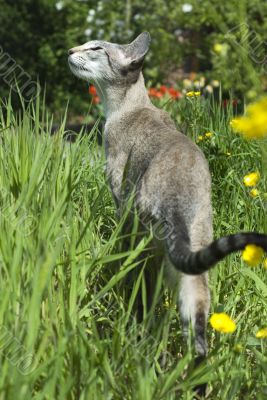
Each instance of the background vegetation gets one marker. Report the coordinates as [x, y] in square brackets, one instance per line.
[224, 41]
[67, 315]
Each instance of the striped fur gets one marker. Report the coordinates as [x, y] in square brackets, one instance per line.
[195, 263]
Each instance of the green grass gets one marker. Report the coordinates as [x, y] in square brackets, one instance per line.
[66, 303]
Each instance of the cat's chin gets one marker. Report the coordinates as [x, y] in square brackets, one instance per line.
[80, 72]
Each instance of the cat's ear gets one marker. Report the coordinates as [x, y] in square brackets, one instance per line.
[136, 50]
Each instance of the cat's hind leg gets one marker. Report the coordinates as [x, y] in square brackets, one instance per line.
[194, 294]
[194, 302]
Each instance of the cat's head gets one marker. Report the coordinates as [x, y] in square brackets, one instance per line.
[103, 62]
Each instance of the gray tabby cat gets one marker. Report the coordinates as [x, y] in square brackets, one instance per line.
[169, 171]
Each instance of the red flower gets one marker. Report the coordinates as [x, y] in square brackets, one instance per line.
[163, 89]
[153, 92]
[96, 100]
[159, 94]
[92, 90]
[175, 94]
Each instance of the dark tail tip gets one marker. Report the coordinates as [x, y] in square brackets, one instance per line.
[195, 263]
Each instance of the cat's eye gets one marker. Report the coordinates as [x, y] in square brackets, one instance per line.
[95, 48]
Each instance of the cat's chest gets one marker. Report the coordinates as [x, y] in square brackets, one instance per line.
[125, 160]
[116, 149]
[116, 159]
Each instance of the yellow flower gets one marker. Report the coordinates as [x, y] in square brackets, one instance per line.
[254, 123]
[265, 263]
[220, 48]
[208, 89]
[262, 333]
[215, 83]
[252, 254]
[254, 193]
[221, 322]
[202, 81]
[251, 179]
[200, 138]
[193, 94]
[208, 134]
[233, 122]
[187, 83]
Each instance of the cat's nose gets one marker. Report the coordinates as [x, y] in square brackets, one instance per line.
[74, 50]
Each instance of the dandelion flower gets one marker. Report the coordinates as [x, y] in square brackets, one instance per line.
[251, 179]
[254, 193]
[193, 94]
[265, 263]
[208, 134]
[200, 138]
[254, 123]
[252, 254]
[233, 122]
[262, 333]
[221, 322]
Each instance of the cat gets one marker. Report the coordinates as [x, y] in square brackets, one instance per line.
[169, 172]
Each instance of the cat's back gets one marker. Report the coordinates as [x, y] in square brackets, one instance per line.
[165, 162]
[148, 126]
[145, 131]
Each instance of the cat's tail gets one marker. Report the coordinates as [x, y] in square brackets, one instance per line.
[195, 263]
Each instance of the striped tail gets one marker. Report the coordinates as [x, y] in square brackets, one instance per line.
[195, 263]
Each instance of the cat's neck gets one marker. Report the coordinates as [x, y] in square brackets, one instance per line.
[119, 100]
